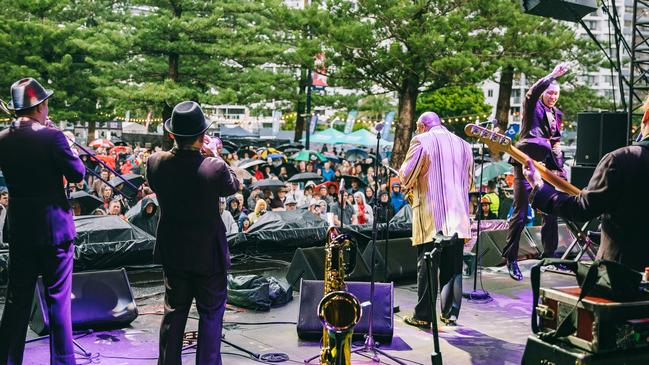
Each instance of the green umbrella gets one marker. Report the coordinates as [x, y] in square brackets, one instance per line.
[305, 155]
[491, 171]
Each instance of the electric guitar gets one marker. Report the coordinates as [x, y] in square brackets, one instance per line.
[500, 143]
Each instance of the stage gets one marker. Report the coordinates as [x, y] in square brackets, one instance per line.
[491, 334]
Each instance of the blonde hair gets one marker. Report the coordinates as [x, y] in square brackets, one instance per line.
[261, 205]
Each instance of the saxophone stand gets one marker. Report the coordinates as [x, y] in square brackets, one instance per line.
[432, 268]
[370, 346]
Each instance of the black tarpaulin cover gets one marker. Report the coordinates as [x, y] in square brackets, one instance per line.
[257, 292]
[103, 242]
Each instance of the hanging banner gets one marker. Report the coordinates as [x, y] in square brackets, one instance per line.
[387, 129]
[314, 121]
[351, 118]
[319, 75]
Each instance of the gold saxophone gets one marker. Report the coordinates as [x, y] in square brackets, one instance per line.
[339, 310]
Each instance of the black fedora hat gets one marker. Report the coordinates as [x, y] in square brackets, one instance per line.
[27, 93]
[187, 120]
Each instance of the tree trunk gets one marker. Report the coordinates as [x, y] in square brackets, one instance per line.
[92, 126]
[173, 75]
[504, 96]
[301, 106]
[406, 122]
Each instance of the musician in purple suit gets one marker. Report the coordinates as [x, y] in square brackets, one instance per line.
[540, 139]
[190, 241]
[35, 159]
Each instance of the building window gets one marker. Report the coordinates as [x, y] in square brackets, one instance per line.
[490, 93]
[592, 25]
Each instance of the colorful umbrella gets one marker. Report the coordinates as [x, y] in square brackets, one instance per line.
[308, 155]
[101, 143]
[264, 152]
[491, 171]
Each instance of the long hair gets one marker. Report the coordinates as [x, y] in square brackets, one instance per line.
[261, 205]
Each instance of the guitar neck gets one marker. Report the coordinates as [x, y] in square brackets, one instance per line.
[547, 175]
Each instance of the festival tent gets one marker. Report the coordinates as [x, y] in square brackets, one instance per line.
[330, 135]
[236, 132]
[363, 137]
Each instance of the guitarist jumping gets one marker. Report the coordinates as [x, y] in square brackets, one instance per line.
[540, 139]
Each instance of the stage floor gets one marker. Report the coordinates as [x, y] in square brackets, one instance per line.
[488, 333]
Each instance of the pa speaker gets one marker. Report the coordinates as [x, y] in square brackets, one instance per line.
[569, 10]
[402, 260]
[308, 264]
[309, 326]
[493, 242]
[100, 299]
[599, 133]
[565, 237]
[580, 175]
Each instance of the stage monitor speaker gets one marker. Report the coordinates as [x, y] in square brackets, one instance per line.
[100, 299]
[565, 237]
[568, 10]
[309, 326]
[580, 175]
[599, 133]
[402, 260]
[308, 264]
[493, 242]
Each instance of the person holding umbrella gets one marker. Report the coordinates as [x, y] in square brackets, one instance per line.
[191, 244]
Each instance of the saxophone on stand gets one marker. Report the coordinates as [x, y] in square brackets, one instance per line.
[339, 310]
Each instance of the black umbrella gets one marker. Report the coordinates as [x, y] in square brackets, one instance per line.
[250, 163]
[291, 151]
[87, 202]
[134, 179]
[349, 178]
[292, 145]
[306, 176]
[229, 144]
[268, 184]
[355, 154]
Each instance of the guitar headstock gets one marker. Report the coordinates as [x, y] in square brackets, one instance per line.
[495, 141]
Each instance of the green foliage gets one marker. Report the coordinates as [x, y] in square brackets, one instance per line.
[578, 99]
[453, 101]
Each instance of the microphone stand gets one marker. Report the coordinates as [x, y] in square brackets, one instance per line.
[478, 295]
[370, 345]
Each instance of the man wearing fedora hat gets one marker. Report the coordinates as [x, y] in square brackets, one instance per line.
[34, 160]
[190, 244]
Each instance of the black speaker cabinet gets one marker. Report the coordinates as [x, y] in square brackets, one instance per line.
[402, 260]
[565, 237]
[100, 299]
[569, 10]
[538, 351]
[309, 326]
[308, 264]
[493, 242]
[580, 175]
[599, 133]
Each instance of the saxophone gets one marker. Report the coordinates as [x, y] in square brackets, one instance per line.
[339, 310]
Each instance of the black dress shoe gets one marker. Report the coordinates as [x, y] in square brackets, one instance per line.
[514, 271]
[452, 321]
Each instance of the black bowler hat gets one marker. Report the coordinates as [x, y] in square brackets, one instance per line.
[27, 93]
[187, 120]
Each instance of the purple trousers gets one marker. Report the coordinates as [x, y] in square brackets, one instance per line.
[26, 262]
[210, 292]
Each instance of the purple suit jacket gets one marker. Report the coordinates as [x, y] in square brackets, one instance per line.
[617, 194]
[191, 234]
[536, 137]
[34, 160]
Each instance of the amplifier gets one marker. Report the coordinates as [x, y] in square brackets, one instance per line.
[602, 325]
